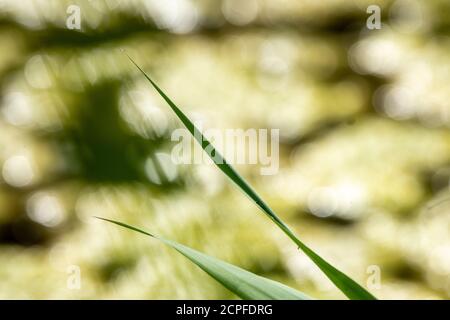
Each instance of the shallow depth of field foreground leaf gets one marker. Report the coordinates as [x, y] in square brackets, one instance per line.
[347, 285]
[243, 283]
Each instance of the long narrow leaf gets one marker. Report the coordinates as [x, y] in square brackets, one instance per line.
[347, 285]
[243, 283]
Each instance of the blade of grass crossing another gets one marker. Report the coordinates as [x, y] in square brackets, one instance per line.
[243, 283]
[347, 285]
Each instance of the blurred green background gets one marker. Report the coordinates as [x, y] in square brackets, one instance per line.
[364, 118]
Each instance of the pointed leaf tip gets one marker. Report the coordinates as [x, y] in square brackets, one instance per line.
[243, 283]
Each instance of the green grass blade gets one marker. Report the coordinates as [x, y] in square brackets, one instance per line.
[243, 283]
[347, 285]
